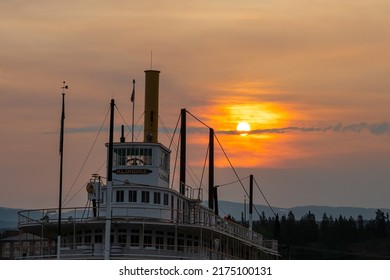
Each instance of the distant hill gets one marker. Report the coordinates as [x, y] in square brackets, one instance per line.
[9, 216]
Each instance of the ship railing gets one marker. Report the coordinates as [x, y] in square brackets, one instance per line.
[205, 217]
[271, 244]
[44, 216]
[35, 250]
[196, 216]
[121, 250]
[176, 251]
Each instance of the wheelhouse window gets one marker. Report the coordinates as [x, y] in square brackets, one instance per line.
[164, 160]
[132, 156]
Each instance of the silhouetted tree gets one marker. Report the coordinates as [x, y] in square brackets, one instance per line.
[380, 224]
[326, 228]
[277, 228]
[326, 236]
[308, 228]
[287, 228]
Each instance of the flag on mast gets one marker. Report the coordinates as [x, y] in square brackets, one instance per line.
[133, 93]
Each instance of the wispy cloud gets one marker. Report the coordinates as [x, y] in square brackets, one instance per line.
[382, 128]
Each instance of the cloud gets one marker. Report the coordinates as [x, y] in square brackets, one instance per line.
[382, 128]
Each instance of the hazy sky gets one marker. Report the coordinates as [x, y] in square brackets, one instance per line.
[311, 77]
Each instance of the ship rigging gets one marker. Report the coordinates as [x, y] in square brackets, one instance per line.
[136, 213]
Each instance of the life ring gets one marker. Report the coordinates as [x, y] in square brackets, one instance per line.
[89, 188]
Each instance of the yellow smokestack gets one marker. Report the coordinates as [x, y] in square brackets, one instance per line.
[151, 106]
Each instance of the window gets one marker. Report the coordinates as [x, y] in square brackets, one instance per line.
[159, 239]
[98, 236]
[87, 239]
[122, 236]
[145, 197]
[166, 198]
[120, 196]
[88, 236]
[196, 241]
[180, 242]
[164, 160]
[134, 238]
[171, 241]
[119, 157]
[157, 198]
[189, 241]
[132, 196]
[132, 156]
[147, 238]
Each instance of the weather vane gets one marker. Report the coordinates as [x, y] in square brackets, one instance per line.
[64, 87]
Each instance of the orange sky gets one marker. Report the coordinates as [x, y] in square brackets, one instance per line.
[310, 77]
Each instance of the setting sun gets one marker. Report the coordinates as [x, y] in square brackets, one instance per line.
[243, 128]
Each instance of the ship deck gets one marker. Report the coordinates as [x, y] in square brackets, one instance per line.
[147, 233]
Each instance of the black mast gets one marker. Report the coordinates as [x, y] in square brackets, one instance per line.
[132, 99]
[183, 137]
[61, 168]
[111, 141]
[107, 235]
[211, 168]
[250, 201]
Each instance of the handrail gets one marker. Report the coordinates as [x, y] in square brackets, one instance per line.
[195, 216]
[90, 251]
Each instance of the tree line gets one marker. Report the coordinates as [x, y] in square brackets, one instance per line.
[328, 238]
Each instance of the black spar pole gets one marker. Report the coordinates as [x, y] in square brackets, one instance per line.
[61, 169]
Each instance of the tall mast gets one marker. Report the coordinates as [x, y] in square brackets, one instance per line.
[107, 240]
[132, 121]
[61, 168]
[250, 201]
[183, 137]
[211, 168]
